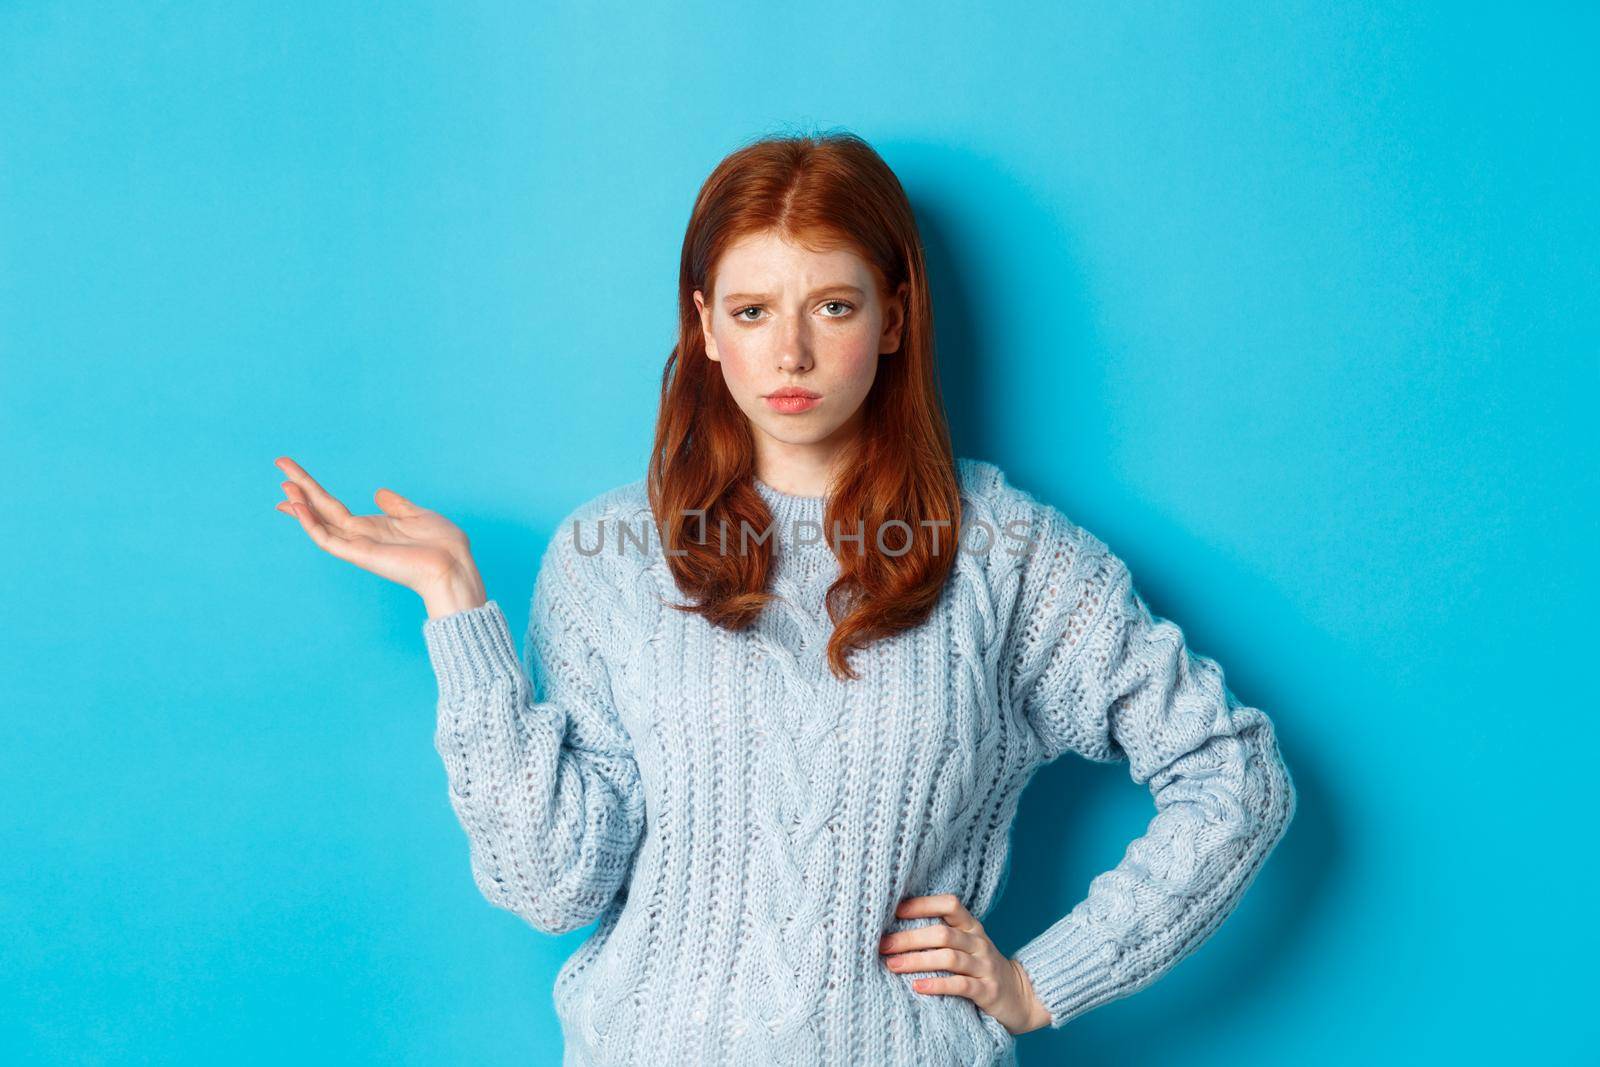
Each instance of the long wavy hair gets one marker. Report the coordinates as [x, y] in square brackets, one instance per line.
[823, 191]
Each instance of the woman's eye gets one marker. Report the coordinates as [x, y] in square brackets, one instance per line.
[752, 312]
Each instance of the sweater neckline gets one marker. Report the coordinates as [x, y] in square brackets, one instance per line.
[787, 508]
[803, 558]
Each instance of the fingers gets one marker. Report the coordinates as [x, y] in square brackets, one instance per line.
[958, 944]
[329, 540]
[937, 937]
[297, 495]
[309, 520]
[322, 501]
[960, 985]
[393, 504]
[954, 960]
[946, 906]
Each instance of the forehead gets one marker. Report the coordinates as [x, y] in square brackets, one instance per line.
[767, 262]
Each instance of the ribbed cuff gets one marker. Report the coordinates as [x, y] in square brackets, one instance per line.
[1070, 968]
[470, 648]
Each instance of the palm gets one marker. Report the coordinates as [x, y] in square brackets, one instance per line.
[404, 543]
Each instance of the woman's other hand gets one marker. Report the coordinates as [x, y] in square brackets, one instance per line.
[417, 548]
[979, 971]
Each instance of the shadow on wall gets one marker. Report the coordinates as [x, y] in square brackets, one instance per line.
[1231, 976]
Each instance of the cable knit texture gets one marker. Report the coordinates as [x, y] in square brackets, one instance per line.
[740, 824]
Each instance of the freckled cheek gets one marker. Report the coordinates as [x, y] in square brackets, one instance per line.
[738, 361]
[852, 360]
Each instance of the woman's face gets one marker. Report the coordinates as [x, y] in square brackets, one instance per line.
[782, 316]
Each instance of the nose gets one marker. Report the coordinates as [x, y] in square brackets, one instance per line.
[794, 353]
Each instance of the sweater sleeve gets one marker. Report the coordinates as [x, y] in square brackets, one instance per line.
[541, 772]
[1098, 674]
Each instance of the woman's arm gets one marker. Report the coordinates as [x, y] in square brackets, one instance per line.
[1099, 675]
[543, 778]
[548, 789]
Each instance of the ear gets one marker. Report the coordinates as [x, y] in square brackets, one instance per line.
[705, 326]
[894, 320]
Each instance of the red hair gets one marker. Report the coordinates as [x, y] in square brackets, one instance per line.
[823, 191]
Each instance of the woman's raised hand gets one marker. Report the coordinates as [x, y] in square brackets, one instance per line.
[417, 548]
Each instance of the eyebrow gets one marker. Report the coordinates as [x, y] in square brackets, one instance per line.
[756, 298]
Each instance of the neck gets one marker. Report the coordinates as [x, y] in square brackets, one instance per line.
[804, 470]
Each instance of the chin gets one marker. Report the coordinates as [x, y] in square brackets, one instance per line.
[791, 435]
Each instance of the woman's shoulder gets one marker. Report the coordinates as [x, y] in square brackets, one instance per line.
[1047, 565]
[595, 574]
[1016, 514]
[593, 538]
[620, 502]
[985, 485]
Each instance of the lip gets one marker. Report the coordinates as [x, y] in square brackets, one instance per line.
[792, 399]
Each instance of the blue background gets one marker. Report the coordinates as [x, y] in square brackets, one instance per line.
[1295, 308]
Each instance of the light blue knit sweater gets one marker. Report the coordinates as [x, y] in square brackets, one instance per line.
[742, 824]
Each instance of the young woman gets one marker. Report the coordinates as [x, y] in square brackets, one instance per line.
[777, 714]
